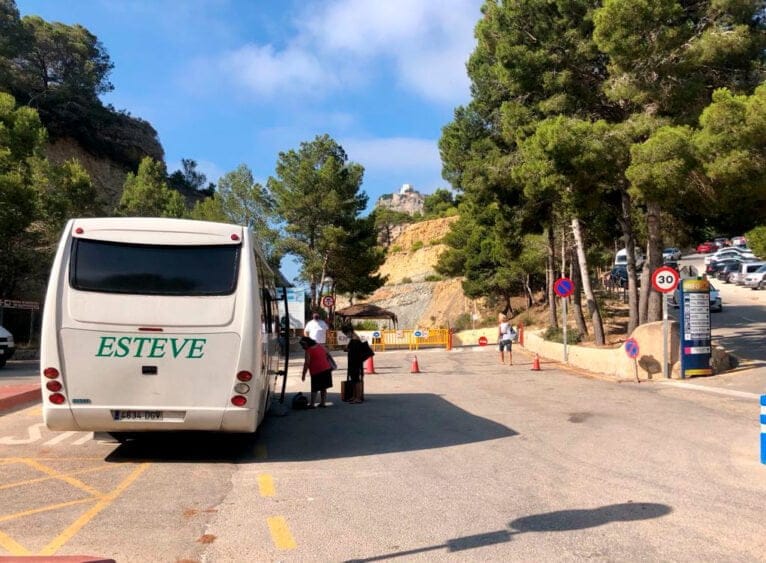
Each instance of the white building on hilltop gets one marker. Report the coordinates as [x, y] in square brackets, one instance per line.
[408, 200]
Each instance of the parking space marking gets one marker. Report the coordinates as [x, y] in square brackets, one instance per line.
[88, 436]
[63, 477]
[60, 438]
[105, 501]
[280, 533]
[8, 543]
[41, 479]
[47, 508]
[266, 485]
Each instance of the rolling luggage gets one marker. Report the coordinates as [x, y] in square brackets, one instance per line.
[347, 390]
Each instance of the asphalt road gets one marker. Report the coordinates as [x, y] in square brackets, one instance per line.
[468, 460]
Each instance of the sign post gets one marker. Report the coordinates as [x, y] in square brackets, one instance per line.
[631, 349]
[665, 280]
[564, 287]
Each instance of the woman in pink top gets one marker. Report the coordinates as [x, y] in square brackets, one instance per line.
[318, 366]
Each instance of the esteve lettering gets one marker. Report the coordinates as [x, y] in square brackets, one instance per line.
[150, 347]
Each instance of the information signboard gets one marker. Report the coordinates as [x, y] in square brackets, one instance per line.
[694, 316]
[296, 305]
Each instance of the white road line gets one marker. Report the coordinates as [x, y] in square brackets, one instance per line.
[60, 438]
[81, 441]
[730, 392]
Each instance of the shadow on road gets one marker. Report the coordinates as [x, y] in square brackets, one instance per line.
[383, 424]
[559, 521]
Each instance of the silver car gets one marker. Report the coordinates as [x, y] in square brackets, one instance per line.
[745, 269]
[756, 280]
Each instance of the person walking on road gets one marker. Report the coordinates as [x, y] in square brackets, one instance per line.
[505, 335]
[355, 371]
[316, 329]
[319, 368]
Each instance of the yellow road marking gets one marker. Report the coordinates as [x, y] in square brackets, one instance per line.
[44, 509]
[67, 479]
[280, 533]
[11, 546]
[105, 501]
[266, 485]
[41, 479]
[260, 452]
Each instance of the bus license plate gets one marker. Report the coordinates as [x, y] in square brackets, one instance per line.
[138, 415]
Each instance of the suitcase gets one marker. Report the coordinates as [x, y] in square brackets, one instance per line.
[347, 390]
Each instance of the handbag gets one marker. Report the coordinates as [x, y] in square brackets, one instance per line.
[366, 351]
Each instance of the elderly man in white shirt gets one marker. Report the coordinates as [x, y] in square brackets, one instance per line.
[316, 329]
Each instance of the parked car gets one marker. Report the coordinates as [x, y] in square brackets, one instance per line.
[722, 242]
[706, 247]
[716, 304]
[728, 268]
[757, 279]
[729, 252]
[739, 241]
[7, 346]
[714, 267]
[745, 268]
[619, 276]
[671, 254]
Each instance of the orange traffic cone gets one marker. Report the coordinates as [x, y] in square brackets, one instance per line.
[369, 365]
[536, 363]
[415, 368]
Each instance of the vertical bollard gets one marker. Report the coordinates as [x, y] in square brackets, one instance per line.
[763, 429]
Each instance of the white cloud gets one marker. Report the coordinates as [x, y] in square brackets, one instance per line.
[344, 43]
[267, 72]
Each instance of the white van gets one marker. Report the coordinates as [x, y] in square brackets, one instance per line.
[621, 258]
[7, 346]
[745, 268]
[158, 324]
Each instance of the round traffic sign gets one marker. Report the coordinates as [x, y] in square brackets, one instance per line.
[328, 301]
[418, 333]
[665, 279]
[631, 347]
[564, 287]
[483, 341]
[376, 334]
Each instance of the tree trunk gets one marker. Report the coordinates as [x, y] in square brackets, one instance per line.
[653, 259]
[550, 278]
[628, 237]
[574, 266]
[598, 327]
[530, 297]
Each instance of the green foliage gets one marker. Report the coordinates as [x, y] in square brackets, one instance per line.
[441, 203]
[417, 245]
[756, 240]
[406, 279]
[395, 248]
[555, 334]
[209, 209]
[434, 278]
[385, 221]
[146, 193]
[366, 325]
[463, 322]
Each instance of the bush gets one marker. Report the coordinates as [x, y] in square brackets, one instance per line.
[395, 248]
[366, 325]
[528, 320]
[463, 322]
[434, 278]
[417, 245]
[406, 280]
[557, 335]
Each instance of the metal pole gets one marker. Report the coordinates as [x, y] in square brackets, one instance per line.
[564, 304]
[665, 359]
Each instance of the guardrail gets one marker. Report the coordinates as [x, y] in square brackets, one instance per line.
[411, 339]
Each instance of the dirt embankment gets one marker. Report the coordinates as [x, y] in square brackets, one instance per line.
[411, 259]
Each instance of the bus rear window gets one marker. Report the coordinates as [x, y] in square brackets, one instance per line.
[143, 269]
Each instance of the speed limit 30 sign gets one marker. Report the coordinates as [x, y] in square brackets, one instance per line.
[665, 279]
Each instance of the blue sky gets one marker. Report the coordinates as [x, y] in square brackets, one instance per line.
[229, 82]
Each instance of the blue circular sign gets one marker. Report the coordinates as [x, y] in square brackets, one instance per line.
[631, 348]
[564, 287]
[418, 333]
[376, 334]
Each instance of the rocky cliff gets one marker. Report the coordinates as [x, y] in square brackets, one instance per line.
[411, 259]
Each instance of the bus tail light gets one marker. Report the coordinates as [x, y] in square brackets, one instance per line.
[236, 400]
[53, 386]
[244, 376]
[51, 373]
[57, 399]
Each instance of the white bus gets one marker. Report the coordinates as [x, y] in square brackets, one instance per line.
[158, 325]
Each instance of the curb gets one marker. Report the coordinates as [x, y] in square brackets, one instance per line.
[20, 398]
